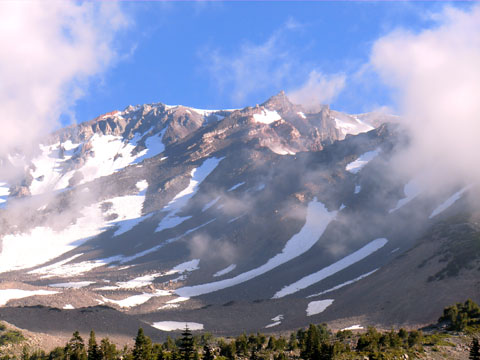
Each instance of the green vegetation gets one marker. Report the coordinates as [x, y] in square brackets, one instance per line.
[9, 336]
[317, 342]
[461, 317]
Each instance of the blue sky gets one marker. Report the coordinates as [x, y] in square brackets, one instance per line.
[167, 52]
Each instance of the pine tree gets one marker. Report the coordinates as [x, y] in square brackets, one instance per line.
[108, 351]
[75, 348]
[93, 352]
[186, 345]
[475, 350]
[143, 347]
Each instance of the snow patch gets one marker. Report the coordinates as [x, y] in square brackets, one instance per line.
[355, 166]
[236, 186]
[210, 204]
[266, 116]
[9, 294]
[177, 325]
[354, 327]
[339, 286]
[341, 264]
[228, 269]
[68, 307]
[316, 307]
[357, 189]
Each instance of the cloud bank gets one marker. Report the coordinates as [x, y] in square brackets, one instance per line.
[47, 58]
[436, 77]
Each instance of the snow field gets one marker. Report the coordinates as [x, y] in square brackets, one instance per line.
[43, 244]
[277, 320]
[228, 269]
[332, 269]
[318, 218]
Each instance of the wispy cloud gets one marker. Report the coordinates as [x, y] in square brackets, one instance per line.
[318, 89]
[49, 55]
[269, 66]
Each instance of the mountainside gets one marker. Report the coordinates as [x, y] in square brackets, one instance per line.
[267, 217]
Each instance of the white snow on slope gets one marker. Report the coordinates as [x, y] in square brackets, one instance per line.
[302, 115]
[277, 320]
[412, 190]
[42, 244]
[358, 188]
[68, 307]
[354, 127]
[353, 327]
[176, 325]
[72, 285]
[136, 300]
[154, 146]
[9, 294]
[318, 218]
[341, 264]
[181, 199]
[316, 307]
[108, 154]
[355, 166]
[339, 286]
[210, 204]
[236, 186]
[449, 202]
[266, 116]
[228, 269]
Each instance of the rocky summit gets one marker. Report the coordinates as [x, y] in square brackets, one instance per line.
[265, 218]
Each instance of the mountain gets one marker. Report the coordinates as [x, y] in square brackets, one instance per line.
[262, 218]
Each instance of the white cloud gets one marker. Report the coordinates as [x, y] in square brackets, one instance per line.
[49, 53]
[318, 89]
[436, 76]
[254, 68]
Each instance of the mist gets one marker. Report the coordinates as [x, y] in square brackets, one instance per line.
[435, 76]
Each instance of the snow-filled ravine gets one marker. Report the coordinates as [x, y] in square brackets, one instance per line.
[449, 202]
[199, 174]
[318, 218]
[332, 269]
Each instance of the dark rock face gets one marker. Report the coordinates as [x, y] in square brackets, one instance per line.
[142, 208]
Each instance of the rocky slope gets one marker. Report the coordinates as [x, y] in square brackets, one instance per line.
[267, 217]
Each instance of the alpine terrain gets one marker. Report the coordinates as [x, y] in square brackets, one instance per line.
[265, 218]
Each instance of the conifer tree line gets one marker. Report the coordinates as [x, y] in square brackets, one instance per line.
[316, 342]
